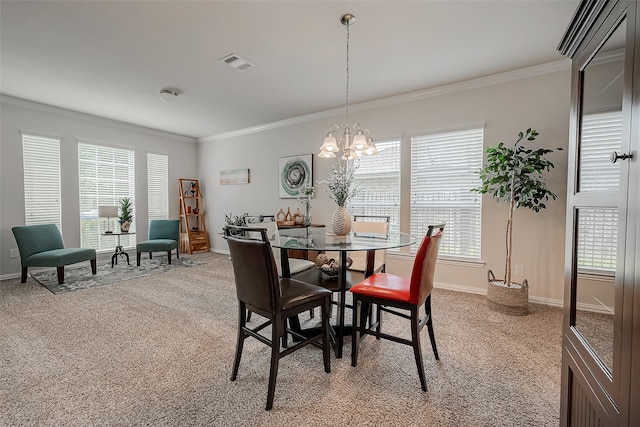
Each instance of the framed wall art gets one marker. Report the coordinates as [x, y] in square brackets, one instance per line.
[294, 172]
[234, 176]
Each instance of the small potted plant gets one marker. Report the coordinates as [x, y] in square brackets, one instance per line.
[513, 174]
[126, 214]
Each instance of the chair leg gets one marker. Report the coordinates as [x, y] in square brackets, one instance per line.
[276, 333]
[138, 254]
[326, 344]
[169, 256]
[355, 331]
[94, 266]
[23, 277]
[432, 337]
[415, 339]
[379, 319]
[249, 312]
[150, 255]
[240, 341]
[60, 275]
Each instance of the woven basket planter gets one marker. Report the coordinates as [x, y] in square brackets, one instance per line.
[512, 299]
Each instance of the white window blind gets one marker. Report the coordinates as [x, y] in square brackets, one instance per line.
[41, 165]
[598, 227]
[378, 178]
[597, 239]
[443, 171]
[106, 175]
[158, 186]
[601, 135]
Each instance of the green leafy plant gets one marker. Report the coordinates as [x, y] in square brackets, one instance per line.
[514, 175]
[236, 220]
[126, 213]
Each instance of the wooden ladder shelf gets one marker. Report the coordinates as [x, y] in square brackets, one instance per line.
[193, 228]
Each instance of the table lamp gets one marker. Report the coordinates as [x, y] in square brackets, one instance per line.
[108, 212]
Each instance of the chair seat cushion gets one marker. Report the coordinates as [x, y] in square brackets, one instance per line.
[295, 293]
[59, 257]
[385, 286]
[156, 245]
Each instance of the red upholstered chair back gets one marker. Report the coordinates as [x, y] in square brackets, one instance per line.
[424, 267]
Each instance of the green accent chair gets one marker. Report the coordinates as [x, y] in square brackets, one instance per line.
[42, 246]
[164, 236]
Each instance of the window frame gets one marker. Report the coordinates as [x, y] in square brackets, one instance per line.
[42, 179]
[367, 169]
[110, 181]
[444, 166]
[157, 186]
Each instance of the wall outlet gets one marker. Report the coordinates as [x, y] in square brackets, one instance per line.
[519, 270]
[13, 253]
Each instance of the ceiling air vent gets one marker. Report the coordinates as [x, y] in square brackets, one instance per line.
[237, 62]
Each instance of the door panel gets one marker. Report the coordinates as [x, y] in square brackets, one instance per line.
[597, 329]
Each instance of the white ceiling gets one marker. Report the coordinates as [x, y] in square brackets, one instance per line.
[111, 59]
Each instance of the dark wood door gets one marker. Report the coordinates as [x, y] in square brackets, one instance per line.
[600, 362]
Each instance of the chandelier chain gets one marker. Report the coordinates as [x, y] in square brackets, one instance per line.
[347, 92]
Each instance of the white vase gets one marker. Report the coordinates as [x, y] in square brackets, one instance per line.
[341, 221]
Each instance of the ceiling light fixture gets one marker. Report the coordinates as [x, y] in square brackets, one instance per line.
[169, 96]
[359, 144]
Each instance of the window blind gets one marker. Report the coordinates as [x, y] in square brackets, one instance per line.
[42, 189]
[157, 186]
[598, 227]
[106, 175]
[443, 171]
[601, 135]
[597, 239]
[378, 180]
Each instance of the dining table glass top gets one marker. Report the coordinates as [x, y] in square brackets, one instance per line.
[317, 239]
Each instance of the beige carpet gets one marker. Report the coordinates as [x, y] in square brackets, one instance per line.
[158, 351]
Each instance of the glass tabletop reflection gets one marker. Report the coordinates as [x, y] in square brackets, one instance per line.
[317, 239]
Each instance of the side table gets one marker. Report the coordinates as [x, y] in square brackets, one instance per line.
[119, 249]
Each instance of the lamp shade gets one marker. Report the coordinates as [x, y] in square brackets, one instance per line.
[107, 211]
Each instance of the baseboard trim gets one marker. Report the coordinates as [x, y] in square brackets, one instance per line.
[473, 290]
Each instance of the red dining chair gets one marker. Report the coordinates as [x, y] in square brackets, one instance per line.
[391, 293]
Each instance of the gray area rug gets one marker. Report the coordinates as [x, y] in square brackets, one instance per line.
[158, 351]
[80, 277]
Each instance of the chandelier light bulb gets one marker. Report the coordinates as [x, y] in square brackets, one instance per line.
[359, 141]
[371, 147]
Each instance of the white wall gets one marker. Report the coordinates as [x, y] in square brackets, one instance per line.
[506, 104]
[18, 115]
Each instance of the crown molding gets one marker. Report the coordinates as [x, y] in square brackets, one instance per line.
[536, 70]
[32, 105]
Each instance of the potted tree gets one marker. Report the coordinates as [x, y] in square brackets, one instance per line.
[126, 214]
[513, 174]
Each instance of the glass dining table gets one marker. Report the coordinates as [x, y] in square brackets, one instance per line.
[317, 239]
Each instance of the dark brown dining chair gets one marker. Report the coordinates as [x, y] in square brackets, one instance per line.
[260, 290]
[391, 293]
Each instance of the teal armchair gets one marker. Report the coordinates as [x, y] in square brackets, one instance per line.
[164, 236]
[42, 246]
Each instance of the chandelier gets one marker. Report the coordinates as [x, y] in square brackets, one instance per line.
[353, 141]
